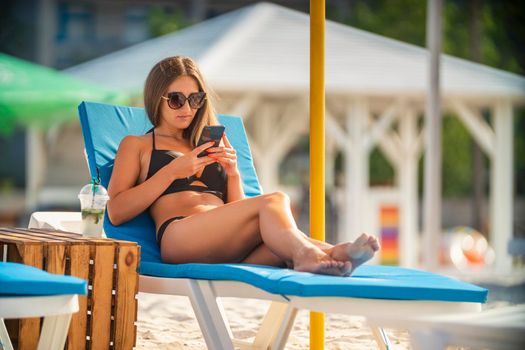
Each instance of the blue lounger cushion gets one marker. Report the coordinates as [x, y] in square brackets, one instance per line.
[104, 126]
[23, 280]
[367, 281]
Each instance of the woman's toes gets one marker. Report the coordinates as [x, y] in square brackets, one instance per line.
[374, 243]
[362, 239]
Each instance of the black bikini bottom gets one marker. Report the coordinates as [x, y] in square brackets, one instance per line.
[164, 225]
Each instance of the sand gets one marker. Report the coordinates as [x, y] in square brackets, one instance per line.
[168, 322]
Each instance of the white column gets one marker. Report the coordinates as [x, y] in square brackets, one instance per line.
[331, 153]
[407, 176]
[356, 170]
[35, 166]
[341, 140]
[501, 189]
[432, 182]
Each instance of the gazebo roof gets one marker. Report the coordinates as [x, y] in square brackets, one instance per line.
[265, 47]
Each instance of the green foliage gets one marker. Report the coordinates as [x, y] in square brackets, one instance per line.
[455, 30]
[162, 22]
[519, 150]
[457, 158]
[381, 172]
[401, 19]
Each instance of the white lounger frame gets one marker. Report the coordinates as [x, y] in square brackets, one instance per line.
[501, 328]
[279, 319]
[56, 309]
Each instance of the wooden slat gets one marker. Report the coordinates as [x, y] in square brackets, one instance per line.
[10, 237]
[77, 236]
[103, 257]
[29, 328]
[55, 258]
[79, 267]
[68, 236]
[54, 234]
[44, 236]
[125, 301]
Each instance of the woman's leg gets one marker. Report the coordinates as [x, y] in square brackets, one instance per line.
[232, 231]
[262, 255]
[357, 252]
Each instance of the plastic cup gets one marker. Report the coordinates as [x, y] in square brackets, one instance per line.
[93, 199]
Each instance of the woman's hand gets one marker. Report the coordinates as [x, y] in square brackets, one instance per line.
[225, 156]
[189, 164]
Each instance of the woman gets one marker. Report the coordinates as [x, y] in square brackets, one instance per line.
[198, 204]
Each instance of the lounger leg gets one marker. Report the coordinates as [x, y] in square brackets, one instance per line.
[54, 332]
[210, 316]
[275, 327]
[421, 340]
[381, 338]
[284, 330]
[5, 341]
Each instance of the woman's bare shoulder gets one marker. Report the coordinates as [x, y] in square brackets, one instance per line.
[134, 143]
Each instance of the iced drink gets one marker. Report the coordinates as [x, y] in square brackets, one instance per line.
[93, 198]
[92, 220]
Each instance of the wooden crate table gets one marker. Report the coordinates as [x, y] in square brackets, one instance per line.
[107, 315]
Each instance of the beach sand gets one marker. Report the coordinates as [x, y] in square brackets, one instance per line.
[168, 322]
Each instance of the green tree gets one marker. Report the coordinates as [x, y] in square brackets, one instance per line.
[163, 21]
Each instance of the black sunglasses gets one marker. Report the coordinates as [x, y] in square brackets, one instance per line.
[177, 99]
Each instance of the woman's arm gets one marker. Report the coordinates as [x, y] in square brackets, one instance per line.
[235, 190]
[127, 200]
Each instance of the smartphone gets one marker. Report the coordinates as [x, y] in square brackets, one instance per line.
[210, 133]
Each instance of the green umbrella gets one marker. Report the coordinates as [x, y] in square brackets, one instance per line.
[35, 95]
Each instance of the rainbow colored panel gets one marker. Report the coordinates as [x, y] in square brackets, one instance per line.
[389, 234]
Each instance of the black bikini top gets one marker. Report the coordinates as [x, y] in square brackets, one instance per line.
[213, 175]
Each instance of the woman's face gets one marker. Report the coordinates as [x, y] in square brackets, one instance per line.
[179, 118]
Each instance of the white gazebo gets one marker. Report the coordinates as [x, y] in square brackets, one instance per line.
[257, 60]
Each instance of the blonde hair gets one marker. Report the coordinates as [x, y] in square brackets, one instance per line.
[159, 79]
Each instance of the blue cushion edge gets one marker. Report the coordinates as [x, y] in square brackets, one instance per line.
[23, 280]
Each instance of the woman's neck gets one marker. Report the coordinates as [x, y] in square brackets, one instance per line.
[176, 134]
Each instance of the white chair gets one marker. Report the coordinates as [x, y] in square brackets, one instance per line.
[26, 291]
[500, 328]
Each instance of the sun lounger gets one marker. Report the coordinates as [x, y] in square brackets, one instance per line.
[500, 328]
[26, 291]
[372, 289]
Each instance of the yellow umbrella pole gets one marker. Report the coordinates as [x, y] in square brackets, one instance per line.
[317, 148]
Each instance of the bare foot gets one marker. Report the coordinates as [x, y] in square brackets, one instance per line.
[316, 261]
[358, 252]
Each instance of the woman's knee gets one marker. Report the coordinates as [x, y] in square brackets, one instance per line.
[277, 196]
